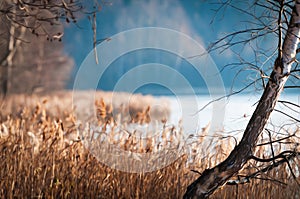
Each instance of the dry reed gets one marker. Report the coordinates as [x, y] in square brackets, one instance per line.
[42, 155]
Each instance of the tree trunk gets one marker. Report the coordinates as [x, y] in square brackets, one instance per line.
[211, 179]
[4, 39]
[7, 62]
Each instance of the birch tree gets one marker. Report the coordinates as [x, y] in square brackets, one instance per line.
[213, 178]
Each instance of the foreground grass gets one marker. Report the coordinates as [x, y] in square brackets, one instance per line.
[43, 156]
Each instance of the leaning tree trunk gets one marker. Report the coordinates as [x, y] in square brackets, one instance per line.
[213, 178]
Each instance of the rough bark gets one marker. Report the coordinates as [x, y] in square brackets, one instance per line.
[213, 178]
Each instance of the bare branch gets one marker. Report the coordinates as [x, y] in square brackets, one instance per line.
[279, 156]
[279, 111]
[222, 97]
[94, 27]
[276, 141]
[292, 172]
[287, 102]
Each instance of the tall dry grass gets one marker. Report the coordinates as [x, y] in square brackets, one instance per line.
[42, 155]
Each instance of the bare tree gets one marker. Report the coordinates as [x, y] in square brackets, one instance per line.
[43, 19]
[213, 178]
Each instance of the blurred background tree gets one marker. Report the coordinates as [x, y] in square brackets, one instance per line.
[31, 54]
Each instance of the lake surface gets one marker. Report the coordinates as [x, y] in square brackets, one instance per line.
[233, 113]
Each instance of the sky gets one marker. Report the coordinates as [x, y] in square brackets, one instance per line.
[196, 19]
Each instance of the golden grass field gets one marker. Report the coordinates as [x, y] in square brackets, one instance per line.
[42, 154]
